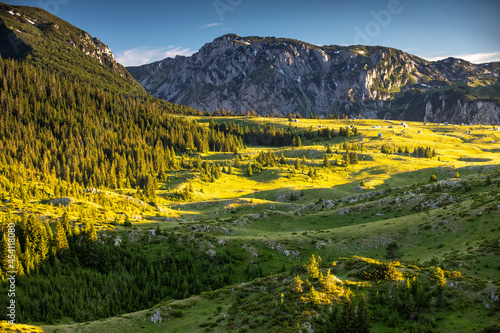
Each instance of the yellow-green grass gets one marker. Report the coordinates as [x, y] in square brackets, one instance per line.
[258, 210]
[457, 150]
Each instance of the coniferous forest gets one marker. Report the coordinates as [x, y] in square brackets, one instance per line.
[123, 212]
[91, 137]
[73, 136]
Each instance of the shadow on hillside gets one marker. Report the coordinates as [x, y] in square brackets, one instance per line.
[419, 177]
[219, 157]
[496, 150]
[304, 193]
[475, 159]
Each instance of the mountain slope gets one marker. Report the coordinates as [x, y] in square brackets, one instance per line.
[34, 35]
[276, 75]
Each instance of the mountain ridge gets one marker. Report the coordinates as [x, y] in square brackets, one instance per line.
[280, 75]
[35, 35]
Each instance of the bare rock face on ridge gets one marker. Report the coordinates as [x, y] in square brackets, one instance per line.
[279, 76]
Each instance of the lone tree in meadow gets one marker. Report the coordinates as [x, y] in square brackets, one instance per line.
[236, 162]
[329, 149]
[392, 251]
[326, 162]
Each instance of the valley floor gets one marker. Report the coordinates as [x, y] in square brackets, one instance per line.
[258, 232]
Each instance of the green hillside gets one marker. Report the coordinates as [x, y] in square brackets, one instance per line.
[37, 37]
[198, 234]
[123, 213]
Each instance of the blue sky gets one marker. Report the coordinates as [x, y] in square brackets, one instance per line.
[144, 31]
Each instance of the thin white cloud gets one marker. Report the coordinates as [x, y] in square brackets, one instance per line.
[475, 58]
[144, 55]
[212, 25]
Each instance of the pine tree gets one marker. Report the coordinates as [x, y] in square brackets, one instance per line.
[347, 322]
[60, 239]
[347, 158]
[313, 268]
[249, 170]
[282, 159]
[18, 267]
[310, 173]
[236, 161]
[363, 320]
[5, 253]
[92, 232]
[43, 247]
[297, 164]
[326, 162]
[330, 282]
[297, 285]
[313, 296]
[67, 224]
[28, 258]
[329, 149]
[392, 251]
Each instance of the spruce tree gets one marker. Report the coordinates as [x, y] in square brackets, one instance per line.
[91, 232]
[67, 224]
[313, 268]
[43, 247]
[60, 238]
[18, 267]
[249, 170]
[28, 258]
[347, 323]
[313, 296]
[297, 284]
[363, 320]
[329, 149]
[282, 159]
[326, 162]
[5, 253]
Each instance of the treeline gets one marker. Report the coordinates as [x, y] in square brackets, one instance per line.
[420, 151]
[67, 272]
[90, 136]
[252, 113]
[272, 135]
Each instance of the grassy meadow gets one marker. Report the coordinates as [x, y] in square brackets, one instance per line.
[273, 221]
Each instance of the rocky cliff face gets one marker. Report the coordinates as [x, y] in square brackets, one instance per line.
[471, 112]
[279, 76]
